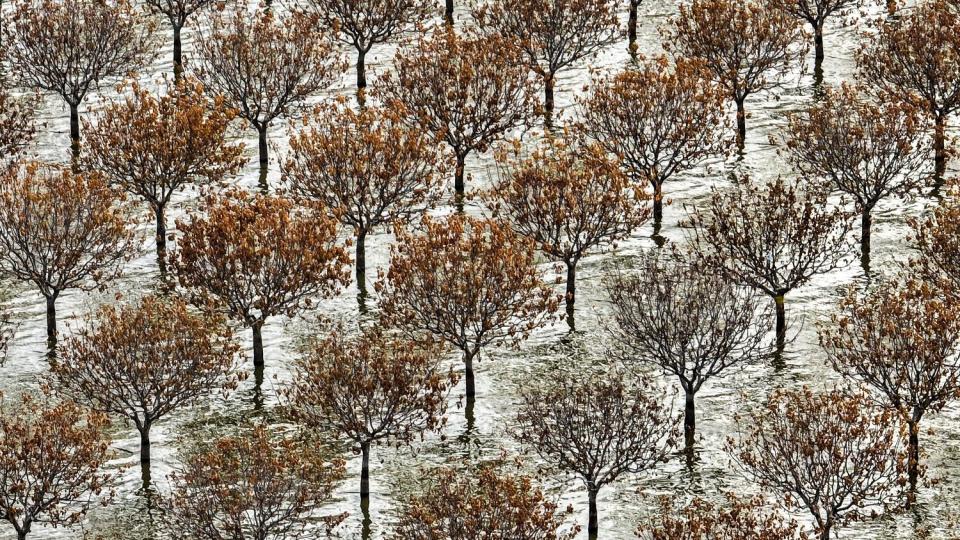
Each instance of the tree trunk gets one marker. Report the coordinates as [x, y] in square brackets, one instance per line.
[657, 203]
[458, 184]
[913, 454]
[361, 260]
[177, 53]
[571, 284]
[593, 525]
[939, 146]
[865, 222]
[264, 152]
[52, 319]
[145, 453]
[689, 418]
[448, 13]
[471, 389]
[75, 132]
[632, 27]
[365, 471]
[161, 239]
[827, 529]
[741, 124]
[781, 320]
[818, 45]
[361, 70]
[257, 344]
[548, 94]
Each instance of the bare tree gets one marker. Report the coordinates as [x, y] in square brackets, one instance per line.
[468, 282]
[489, 502]
[772, 237]
[553, 34]
[368, 168]
[828, 452]
[735, 518]
[145, 361]
[258, 256]
[178, 12]
[748, 46]
[60, 230]
[68, 47]
[254, 486]
[467, 91]
[661, 120]
[51, 460]
[598, 427]
[154, 146]
[371, 388]
[916, 58]
[865, 150]
[362, 24]
[687, 321]
[816, 13]
[901, 342]
[266, 64]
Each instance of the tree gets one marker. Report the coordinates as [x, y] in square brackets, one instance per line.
[772, 237]
[177, 12]
[901, 342]
[489, 502]
[144, 361]
[51, 456]
[368, 168]
[686, 321]
[816, 13]
[371, 388]
[916, 59]
[828, 452]
[256, 256]
[569, 198]
[553, 34]
[60, 230]
[748, 46]
[598, 427]
[736, 518]
[154, 146]
[865, 150]
[467, 91]
[254, 486]
[937, 238]
[468, 282]
[16, 125]
[68, 47]
[265, 64]
[660, 120]
[632, 25]
[362, 24]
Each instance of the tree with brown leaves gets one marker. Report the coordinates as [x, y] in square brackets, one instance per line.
[736, 518]
[553, 34]
[468, 282]
[368, 168]
[830, 453]
[256, 486]
[816, 13]
[371, 388]
[916, 59]
[51, 460]
[256, 256]
[178, 12]
[901, 342]
[772, 237]
[490, 502]
[144, 361]
[16, 125]
[865, 150]
[362, 24]
[467, 91]
[661, 120]
[937, 238]
[748, 46]
[155, 146]
[68, 47]
[569, 198]
[60, 230]
[598, 427]
[266, 64]
[686, 321]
